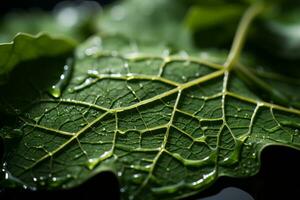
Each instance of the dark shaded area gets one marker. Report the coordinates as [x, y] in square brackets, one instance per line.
[102, 185]
[218, 36]
[276, 179]
[12, 5]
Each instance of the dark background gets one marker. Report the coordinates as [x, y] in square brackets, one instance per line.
[278, 178]
[9, 5]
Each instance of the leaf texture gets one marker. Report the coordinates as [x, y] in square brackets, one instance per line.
[166, 125]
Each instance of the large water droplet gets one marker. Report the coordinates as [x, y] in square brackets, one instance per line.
[55, 91]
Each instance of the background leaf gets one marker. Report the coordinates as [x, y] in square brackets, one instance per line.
[27, 47]
[142, 20]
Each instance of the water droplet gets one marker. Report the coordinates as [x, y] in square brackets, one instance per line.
[103, 129]
[82, 124]
[67, 17]
[34, 179]
[6, 176]
[42, 183]
[93, 73]
[235, 115]
[91, 51]
[54, 179]
[126, 65]
[184, 78]
[204, 128]
[122, 189]
[184, 54]
[55, 91]
[166, 52]
[13, 134]
[204, 55]
[136, 176]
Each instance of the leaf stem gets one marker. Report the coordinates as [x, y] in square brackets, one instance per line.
[240, 35]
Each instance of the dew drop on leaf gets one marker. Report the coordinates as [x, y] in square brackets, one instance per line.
[56, 89]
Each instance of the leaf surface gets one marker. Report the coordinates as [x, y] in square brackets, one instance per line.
[166, 125]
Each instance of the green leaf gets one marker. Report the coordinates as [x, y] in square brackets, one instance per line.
[203, 17]
[143, 20]
[167, 125]
[28, 47]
